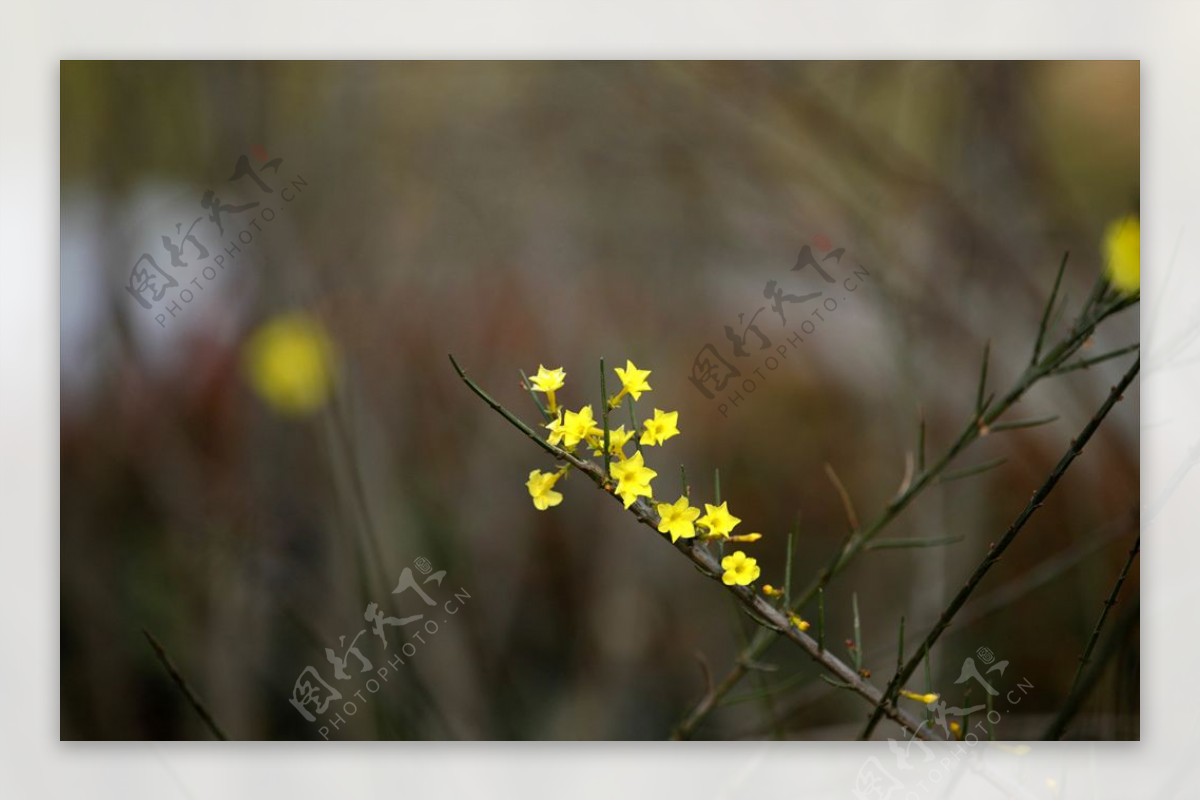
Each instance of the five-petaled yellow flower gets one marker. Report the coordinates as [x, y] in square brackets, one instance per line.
[718, 521]
[660, 428]
[617, 439]
[541, 489]
[579, 426]
[633, 478]
[549, 381]
[1122, 254]
[678, 519]
[633, 383]
[739, 569]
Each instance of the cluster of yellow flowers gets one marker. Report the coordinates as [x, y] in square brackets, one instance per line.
[568, 429]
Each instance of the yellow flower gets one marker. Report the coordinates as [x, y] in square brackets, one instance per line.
[755, 537]
[633, 478]
[617, 439]
[772, 592]
[541, 489]
[290, 363]
[678, 519]
[739, 569]
[548, 381]
[798, 621]
[633, 383]
[1122, 254]
[660, 428]
[924, 698]
[718, 521]
[579, 426]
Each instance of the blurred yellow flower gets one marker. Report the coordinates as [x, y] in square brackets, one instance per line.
[1122, 254]
[541, 489]
[739, 569]
[290, 363]
[660, 428]
[678, 519]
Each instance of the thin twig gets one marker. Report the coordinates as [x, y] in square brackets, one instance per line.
[604, 417]
[184, 687]
[979, 405]
[966, 472]
[857, 634]
[847, 504]
[525, 384]
[1128, 619]
[1083, 364]
[1109, 603]
[1033, 422]
[1041, 334]
[821, 619]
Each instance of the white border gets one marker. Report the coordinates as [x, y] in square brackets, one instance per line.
[33, 36]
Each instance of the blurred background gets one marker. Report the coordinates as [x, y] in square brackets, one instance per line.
[254, 449]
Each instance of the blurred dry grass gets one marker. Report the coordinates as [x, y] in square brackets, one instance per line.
[517, 213]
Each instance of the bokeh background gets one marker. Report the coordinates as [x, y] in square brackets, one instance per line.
[522, 213]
